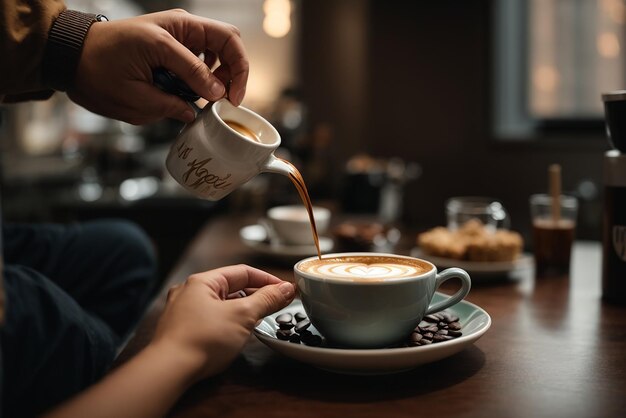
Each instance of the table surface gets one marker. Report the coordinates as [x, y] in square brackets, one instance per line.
[554, 349]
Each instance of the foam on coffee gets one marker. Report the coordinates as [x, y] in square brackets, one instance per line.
[365, 268]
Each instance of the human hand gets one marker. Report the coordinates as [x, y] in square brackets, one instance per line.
[201, 325]
[114, 75]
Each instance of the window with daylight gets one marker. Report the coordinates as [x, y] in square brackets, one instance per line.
[553, 59]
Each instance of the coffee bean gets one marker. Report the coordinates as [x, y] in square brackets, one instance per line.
[432, 328]
[439, 338]
[294, 338]
[454, 333]
[304, 333]
[300, 316]
[454, 326]
[423, 324]
[303, 325]
[428, 335]
[415, 339]
[283, 334]
[442, 325]
[425, 342]
[432, 318]
[442, 332]
[449, 317]
[312, 340]
[286, 325]
[285, 318]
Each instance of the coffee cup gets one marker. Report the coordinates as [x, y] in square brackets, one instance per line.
[371, 300]
[224, 147]
[290, 225]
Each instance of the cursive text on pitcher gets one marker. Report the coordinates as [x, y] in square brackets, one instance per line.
[202, 176]
[184, 150]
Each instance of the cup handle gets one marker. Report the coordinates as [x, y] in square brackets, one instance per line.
[466, 284]
[276, 165]
[271, 234]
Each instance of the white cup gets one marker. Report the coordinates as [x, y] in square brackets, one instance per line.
[210, 159]
[290, 225]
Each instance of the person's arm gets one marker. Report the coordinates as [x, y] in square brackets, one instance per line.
[198, 335]
[145, 386]
[107, 67]
[24, 27]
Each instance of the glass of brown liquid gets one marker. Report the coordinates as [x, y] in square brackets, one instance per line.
[553, 233]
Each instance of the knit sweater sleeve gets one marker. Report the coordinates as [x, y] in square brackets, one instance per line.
[24, 27]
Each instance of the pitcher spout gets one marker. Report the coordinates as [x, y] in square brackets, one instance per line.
[278, 165]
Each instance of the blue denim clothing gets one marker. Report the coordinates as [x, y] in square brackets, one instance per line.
[73, 294]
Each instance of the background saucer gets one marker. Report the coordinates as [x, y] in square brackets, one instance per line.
[474, 320]
[478, 268]
[255, 237]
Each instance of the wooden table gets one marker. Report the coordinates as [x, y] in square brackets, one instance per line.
[554, 349]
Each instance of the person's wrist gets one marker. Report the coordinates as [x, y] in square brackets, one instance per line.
[64, 47]
[189, 362]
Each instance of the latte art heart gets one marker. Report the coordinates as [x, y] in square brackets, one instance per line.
[376, 271]
[364, 268]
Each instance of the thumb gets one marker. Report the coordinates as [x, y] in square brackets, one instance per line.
[270, 299]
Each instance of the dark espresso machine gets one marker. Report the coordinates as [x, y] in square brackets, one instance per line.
[614, 234]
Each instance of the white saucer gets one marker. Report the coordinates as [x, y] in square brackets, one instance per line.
[474, 321]
[255, 237]
[481, 268]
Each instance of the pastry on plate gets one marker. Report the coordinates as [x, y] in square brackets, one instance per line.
[472, 242]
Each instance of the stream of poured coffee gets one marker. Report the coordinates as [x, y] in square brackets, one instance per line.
[298, 181]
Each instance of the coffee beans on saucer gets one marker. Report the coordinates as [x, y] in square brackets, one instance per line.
[434, 328]
[293, 328]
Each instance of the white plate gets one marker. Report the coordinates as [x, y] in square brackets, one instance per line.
[255, 237]
[474, 321]
[482, 268]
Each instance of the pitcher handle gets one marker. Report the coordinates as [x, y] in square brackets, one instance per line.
[169, 83]
[466, 284]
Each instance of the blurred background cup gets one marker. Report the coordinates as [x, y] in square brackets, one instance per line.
[553, 235]
[614, 111]
[289, 225]
[487, 210]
